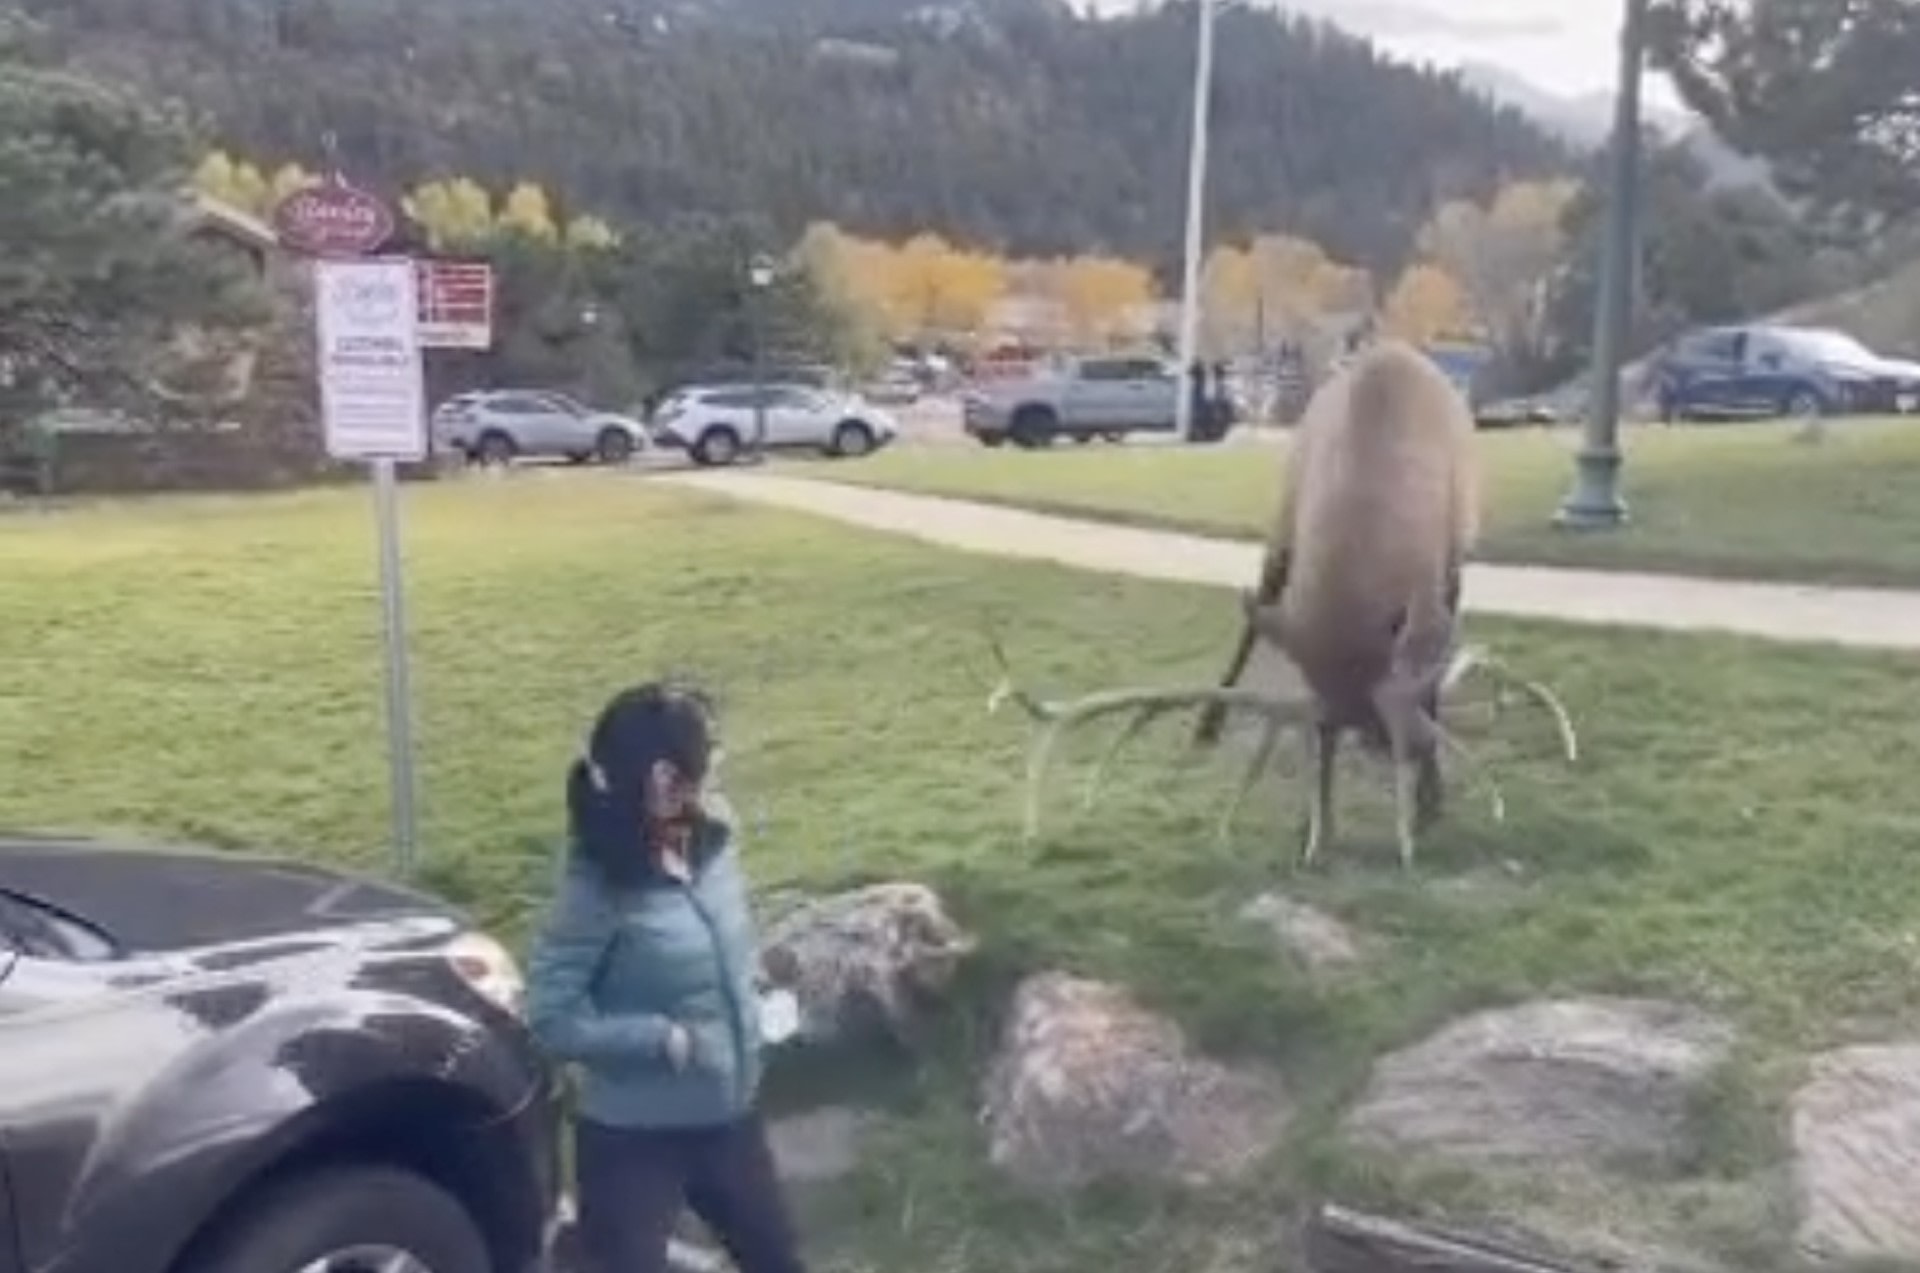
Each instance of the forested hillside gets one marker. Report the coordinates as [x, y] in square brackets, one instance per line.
[1012, 124]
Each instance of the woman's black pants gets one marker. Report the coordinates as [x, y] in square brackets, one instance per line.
[633, 1183]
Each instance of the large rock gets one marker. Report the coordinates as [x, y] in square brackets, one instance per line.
[1316, 939]
[1089, 1085]
[862, 963]
[1601, 1083]
[819, 1146]
[1856, 1140]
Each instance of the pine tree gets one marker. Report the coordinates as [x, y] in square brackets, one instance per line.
[101, 272]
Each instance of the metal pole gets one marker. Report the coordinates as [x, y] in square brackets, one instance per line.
[1196, 217]
[1595, 503]
[393, 610]
[759, 375]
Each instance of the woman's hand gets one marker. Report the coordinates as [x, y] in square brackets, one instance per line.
[679, 1047]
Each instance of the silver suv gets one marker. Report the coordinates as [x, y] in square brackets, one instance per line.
[499, 426]
[1079, 398]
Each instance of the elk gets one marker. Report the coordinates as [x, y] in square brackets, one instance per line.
[1359, 589]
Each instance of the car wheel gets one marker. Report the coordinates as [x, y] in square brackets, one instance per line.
[354, 1220]
[495, 449]
[852, 440]
[1032, 427]
[614, 447]
[1804, 405]
[716, 447]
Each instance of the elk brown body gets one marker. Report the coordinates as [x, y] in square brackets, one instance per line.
[1360, 586]
[1359, 591]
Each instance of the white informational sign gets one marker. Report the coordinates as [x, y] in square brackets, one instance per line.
[372, 392]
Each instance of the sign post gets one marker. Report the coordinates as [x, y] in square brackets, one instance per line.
[373, 405]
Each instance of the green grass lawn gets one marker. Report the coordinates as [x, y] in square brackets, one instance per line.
[1741, 501]
[1735, 834]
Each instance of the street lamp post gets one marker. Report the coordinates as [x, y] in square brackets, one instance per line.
[1595, 503]
[1196, 216]
[760, 274]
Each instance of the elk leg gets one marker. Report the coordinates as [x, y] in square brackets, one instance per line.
[1432, 791]
[1406, 783]
[1429, 793]
[1412, 737]
[1319, 828]
[1273, 580]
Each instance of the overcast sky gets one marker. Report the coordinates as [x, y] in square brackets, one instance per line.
[1564, 46]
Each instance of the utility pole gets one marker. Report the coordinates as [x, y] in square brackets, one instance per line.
[1595, 503]
[1196, 217]
[760, 275]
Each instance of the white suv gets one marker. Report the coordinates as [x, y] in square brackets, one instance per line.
[499, 426]
[717, 424]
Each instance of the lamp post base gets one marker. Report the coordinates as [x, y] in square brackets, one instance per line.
[1594, 503]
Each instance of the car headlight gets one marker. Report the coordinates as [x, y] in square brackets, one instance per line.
[486, 966]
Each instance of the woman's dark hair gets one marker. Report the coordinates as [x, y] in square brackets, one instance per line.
[606, 788]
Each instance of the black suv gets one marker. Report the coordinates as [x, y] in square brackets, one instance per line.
[219, 1064]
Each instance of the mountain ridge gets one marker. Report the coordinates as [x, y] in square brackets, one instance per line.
[1012, 124]
[1585, 120]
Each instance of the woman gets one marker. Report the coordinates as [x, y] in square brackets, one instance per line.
[644, 974]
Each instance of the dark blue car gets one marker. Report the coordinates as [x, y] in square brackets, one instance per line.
[1722, 373]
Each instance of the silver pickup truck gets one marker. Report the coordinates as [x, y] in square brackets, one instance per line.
[1082, 398]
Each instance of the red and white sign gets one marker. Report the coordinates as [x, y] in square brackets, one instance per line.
[333, 220]
[456, 304]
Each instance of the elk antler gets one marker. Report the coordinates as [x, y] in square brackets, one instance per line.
[1263, 754]
[1147, 704]
[1471, 658]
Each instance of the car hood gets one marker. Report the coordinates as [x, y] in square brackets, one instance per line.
[1855, 369]
[153, 901]
[604, 419]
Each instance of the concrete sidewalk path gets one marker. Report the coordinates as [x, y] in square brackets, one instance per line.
[1865, 618]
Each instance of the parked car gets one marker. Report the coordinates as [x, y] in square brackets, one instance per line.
[1760, 371]
[212, 1063]
[1082, 398]
[499, 426]
[897, 386]
[739, 374]
[717, 424]
[1509, 413]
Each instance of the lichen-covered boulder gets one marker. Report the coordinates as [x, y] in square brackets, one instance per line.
[819, 1146]
[1593, 1082]
[1856, 1142]
[865, 962]
[1317, 940]
[1088, 1085]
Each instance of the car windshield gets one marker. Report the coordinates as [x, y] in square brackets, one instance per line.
[32, 928]
[1831, 345]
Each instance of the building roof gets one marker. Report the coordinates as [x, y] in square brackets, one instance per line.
[236, 223]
